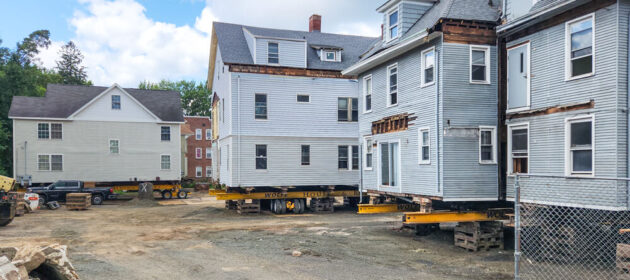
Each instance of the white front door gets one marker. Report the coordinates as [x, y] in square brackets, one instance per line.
[518, 75]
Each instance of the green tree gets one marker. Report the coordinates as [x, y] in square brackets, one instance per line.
[69, 65]
[196, 98]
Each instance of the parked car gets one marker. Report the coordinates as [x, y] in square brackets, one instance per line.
[57, 191]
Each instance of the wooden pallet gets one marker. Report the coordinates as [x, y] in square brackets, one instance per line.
[244, 207]
[230, 205]
[78, 201]
[479, 235]
[322, 205]
[21, 203]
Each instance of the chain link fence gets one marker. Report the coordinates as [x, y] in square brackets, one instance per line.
[571, 228]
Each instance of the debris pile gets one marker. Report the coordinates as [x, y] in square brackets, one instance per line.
[36, 262]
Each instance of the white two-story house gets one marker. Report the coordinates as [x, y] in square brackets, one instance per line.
[283, 114]
[97, 134]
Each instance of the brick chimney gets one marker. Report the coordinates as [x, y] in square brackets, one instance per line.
[315, 23]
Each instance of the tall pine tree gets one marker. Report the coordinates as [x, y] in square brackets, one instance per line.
[69, 66]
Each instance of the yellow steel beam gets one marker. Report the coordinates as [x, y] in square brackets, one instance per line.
[387, 208]
[155, 187]
[410, 218]
[215, 192]
[279, 195]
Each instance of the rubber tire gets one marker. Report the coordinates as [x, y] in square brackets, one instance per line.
[42, 200]
[181, 194]
[162, 193]
[284, 206]
[272, 206]
[97, 200]
[297, 206]
[278, 206]
[5, 222]
[303, 204]
[185, 195]
[167, 195]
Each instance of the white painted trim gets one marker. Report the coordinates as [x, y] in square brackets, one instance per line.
[15, 151]
[267, 61]
[109, 146]
[200, 169]
[206, 136]
[38, 118]
[49, 132]
[423, 65]
[50, 162]
[471, 199]
[522, 20]
[324, 58]
[387, 90]
[208, 152]
[421, 143]
[379, 171]
[509, 145]
[567, 47]
[73, 115]
[493, 131]
[365, 79]
[568, 162]
[198, 153]
[529, 79]
[208, 168]
[574, 205]
[486, 50]
[198, 134]
[365, 146]
[398, 24]
[170, 133]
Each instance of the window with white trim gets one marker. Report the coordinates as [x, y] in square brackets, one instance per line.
[347, 109]
[306, 155]
[43, 162]
[580, 146]
[487, 145]
[392, 85]
[49, 131]
[518, 145]
[368, 152]
[329, 55]
[480, 64]
[392, 20]
[50, 162]
[198, 134]
[208, 171]
[261, 156]
[56, 162]
[580, 40]
[165, 133]
[198, 172]
[367, 94]
[43, 131]
[208, 134]
[348, 157]
[114, 146]
[260, 106]
[115, 102]
[198, 153]
[273, 56]
[56, 131]
[424, 145]
[208, 153]
[428, 67]
[165, 162]
[390, 169]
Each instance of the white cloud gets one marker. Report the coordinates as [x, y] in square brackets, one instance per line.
[121, 45]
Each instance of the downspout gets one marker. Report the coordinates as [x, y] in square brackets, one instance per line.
[238, 108]
[25, 158]
[437, 115]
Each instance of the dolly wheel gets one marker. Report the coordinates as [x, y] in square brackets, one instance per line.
[182, 194]
[278, 205]
[167, 194]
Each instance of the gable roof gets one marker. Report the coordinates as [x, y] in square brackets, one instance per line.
[61, 101]
[472, 10]
[234, 49]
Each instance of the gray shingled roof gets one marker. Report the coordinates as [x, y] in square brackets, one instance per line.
[478, 10]
[61, 101]
[234, 49]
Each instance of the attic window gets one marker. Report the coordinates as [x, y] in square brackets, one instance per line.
[272, 53]
[329, 56]
[115, 102]
[393, 24]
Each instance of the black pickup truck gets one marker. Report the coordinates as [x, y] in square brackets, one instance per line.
[57, 191]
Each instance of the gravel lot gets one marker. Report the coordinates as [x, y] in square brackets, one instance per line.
[202, 240]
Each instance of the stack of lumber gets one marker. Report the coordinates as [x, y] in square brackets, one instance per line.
[20, 203]
[479, 235]
[230, 205]
[78, 201]
[251, 207]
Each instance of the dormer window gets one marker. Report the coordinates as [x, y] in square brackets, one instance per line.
[393, 24]
[329, 56]
[272, 53]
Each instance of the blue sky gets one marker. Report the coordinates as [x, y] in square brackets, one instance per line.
[129, 41]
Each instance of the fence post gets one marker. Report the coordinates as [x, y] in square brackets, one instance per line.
[517, 227]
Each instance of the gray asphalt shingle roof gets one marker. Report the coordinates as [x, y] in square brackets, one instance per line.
[477, 10]
[234, 49]
[61, 101]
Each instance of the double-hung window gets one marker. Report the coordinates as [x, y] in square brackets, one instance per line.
[260, 106]
[208, 153]
[198, 134]
[518, 137]
[348, 157]
[198, 171]
[580, 45]
[306, 155]
[208, 134]
[261, 156]
[165, 162]
[115, 102]
[424, 142]
[165, 133]
[56, 131]
[392, 85]
[50, 162]
[114, 146]
[43, 162]
[487, 145]
[393, 24]
[368, 151]
[367, 94]
[579, 153]
[198, 153]
[347, 109]
[208, 171]
[272, 53]
[49, 131]
[43, 130]
[428, 67]
[480, 64]
[390, 170]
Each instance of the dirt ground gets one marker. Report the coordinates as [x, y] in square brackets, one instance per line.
[202, 240]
